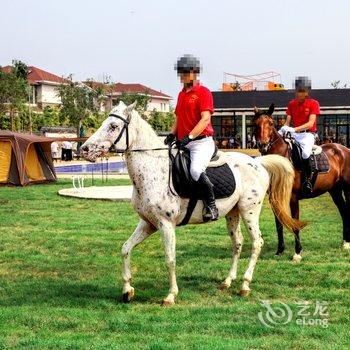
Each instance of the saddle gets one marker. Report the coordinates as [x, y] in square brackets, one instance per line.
[318, 158]
[218, 171]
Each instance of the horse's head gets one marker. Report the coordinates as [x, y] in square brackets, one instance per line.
[263, 124]
[113, 131]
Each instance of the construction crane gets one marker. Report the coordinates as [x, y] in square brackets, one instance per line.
[261, 81]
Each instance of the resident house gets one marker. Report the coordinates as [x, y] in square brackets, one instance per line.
[159, 101]
[43, 87]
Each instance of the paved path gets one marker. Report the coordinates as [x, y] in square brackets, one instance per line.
[112, 193]
[96, 176]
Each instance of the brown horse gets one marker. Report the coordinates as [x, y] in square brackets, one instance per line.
[336, 181]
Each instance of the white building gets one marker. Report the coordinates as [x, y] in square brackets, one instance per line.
[159, 101]
[44, 87]
[44, 91]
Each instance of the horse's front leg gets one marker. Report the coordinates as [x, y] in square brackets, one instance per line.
[167, 230]
[142, 231]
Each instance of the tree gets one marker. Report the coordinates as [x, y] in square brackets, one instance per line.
[161, 121]
[79, 101]
[142, 101]
[13, 94]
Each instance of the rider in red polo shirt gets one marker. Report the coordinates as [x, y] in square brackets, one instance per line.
[194, 130]
[302, 113]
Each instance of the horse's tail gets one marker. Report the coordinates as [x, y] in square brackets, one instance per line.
[281, 175]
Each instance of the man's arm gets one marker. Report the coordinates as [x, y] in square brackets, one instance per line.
[307, 125]
[174, 128]
[288, 120]
[202, 124]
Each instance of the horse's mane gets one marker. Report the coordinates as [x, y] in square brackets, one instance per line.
[149, 135]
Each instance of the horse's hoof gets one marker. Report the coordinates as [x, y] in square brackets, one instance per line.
[167, 303]
[280, 250]
[223, 286]
[296, 258]
[244, 292]
[128, 295]
[346, 245]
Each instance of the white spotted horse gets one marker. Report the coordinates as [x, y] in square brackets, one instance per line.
[161, 208]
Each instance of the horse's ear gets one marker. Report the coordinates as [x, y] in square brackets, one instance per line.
[256, 110]
[271, 109]
[129, 109]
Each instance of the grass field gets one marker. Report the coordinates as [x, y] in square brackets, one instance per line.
[60, 280]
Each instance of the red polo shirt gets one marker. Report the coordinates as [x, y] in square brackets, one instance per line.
[188, 110]
[301, 111]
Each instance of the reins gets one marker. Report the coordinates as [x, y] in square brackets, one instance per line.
[125, 128]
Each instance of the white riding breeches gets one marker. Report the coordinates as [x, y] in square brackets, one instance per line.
[306, 141]
[201, 152]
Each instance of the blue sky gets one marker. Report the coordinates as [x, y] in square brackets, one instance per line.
[139, 41]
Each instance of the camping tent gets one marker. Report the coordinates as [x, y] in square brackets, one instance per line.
[25, 159]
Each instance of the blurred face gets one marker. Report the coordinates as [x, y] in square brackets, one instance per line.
[301, 95]
[188, 78]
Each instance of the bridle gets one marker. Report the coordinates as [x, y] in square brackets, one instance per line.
[125, 129]
[271, 142]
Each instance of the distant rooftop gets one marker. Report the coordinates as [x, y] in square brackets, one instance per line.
[262, 99]
[136, 88]
[36, 75]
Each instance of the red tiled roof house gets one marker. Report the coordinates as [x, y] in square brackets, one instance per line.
[44, 86]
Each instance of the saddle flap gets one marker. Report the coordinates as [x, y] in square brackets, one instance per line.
[219, 173]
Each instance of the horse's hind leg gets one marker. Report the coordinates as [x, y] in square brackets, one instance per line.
[346, 230]
[234, 230]
[279, 228]
[294, 207]
[142, 231]
[343, 207]
[251, 219]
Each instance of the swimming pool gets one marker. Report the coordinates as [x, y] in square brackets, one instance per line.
[118, 167]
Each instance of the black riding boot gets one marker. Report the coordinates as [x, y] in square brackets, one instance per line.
[210, 211]
[308, 170]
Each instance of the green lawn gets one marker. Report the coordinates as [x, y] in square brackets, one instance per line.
[60, 280]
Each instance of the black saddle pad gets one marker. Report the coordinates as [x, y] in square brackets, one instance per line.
[320, 161]
[221, 177]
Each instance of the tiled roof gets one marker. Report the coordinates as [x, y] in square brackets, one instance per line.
[262, 99]
[119, 88]
[138, 89]
[36, 75]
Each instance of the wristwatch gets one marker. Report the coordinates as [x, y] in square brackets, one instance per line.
[190, 136]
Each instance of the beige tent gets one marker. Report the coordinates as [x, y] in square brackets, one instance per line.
[25, 159]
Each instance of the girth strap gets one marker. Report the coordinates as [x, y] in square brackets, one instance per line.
[190, 208]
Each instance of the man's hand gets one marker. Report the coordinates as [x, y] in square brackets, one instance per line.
[170, 138]
[185, 141]
[286, 129]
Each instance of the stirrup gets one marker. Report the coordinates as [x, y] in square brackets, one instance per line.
[210, 213]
